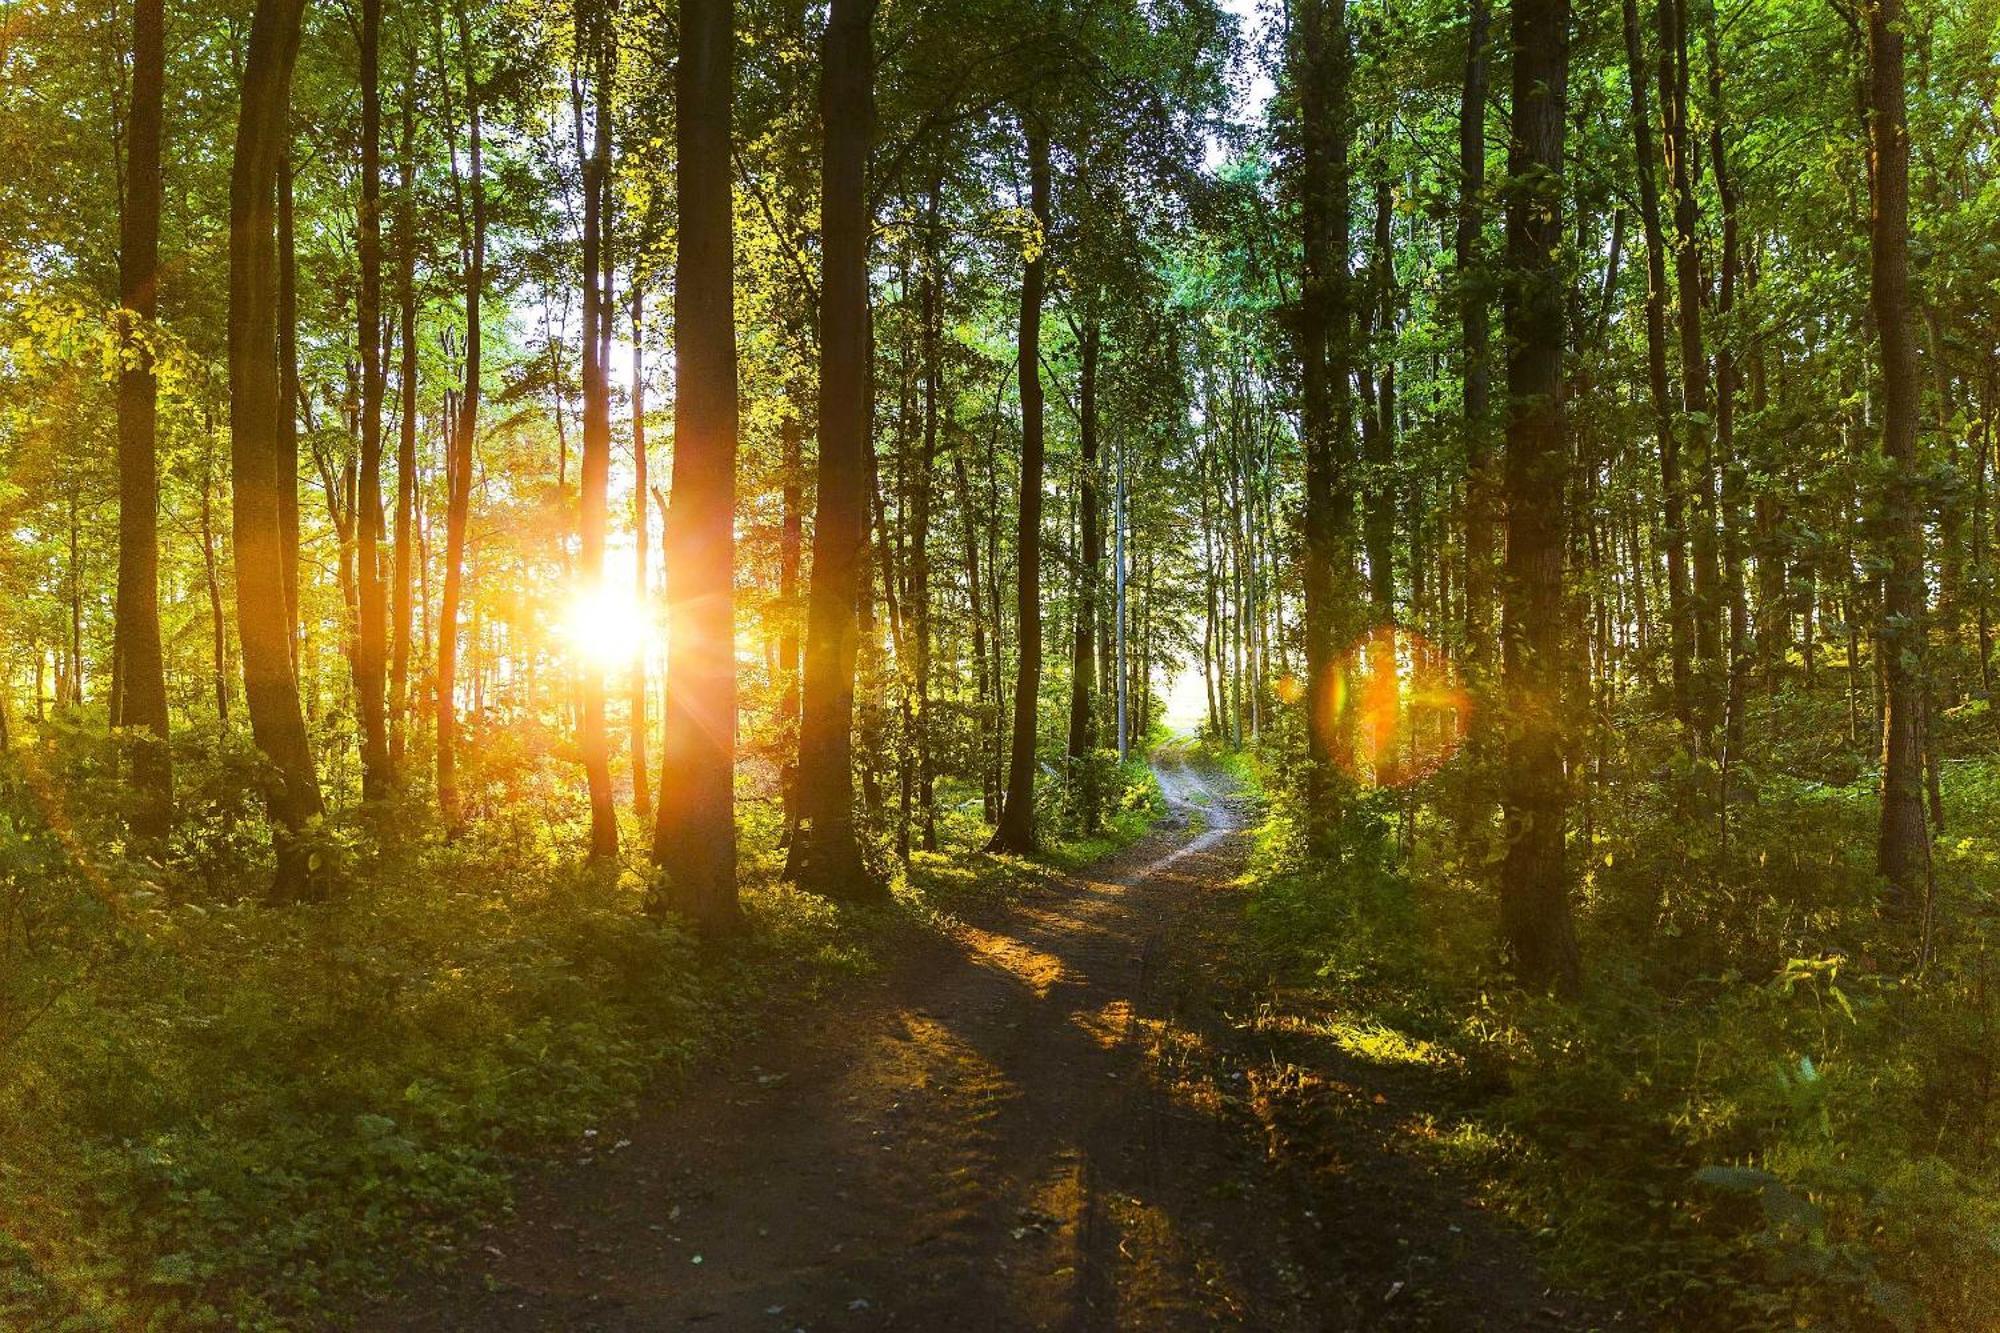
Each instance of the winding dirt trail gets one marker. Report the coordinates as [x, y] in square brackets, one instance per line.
[1052, 1124]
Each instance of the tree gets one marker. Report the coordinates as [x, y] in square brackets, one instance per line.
[931, 315]
[1325, 367]
[694, 838]
[1016, 830]
[458, 463]
[402, 610]
[142, 673]
[825, 854]
[270, 688]
[642, 791]
[1903, 847]
[1083, 649]
[371, 640]
[1680, 604]
[1534, 889]
[1475, 352]
[593, 738]
[1691, 290]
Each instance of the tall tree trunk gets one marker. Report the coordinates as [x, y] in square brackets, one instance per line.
[1326, 359]
[975, 598]
[1118, 526]
[921, 488]
[791, 541]
[400, 616]
[1534, 889]
[593, 738]
[1016, 831]
[271, 688]
[289, 399]
[826, 851]
[1733, 475]
[371, 642]
[642, 777]
[1705, 701]
[1218, 690]
[1379, 516]
[211, 569]
[458, 468]
[1982, 550]
[694, 836]
[996, 757]
[1680, 605]
[1903, 850]
[141, 667]
[1476, 356]
[1083, 651]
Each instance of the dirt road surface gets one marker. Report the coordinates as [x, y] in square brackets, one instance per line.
[1061, 1120]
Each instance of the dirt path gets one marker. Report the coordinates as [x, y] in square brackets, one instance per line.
[1054, 1125]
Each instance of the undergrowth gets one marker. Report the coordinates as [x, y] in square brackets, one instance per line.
[213, 1112]
[1760, 1112]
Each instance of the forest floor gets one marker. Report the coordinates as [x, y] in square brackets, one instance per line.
[1073, 1111]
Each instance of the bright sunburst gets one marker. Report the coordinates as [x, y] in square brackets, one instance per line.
[606, 625]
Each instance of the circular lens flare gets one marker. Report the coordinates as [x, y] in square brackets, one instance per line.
[1396, 708]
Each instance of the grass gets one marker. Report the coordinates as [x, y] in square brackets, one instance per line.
[213, 1113]
[1758, 1111]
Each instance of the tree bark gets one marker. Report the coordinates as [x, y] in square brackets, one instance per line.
[791, 542]
[1705, 693]
[593, 737]
[271, 688]
[1326, 360]
[141, 673]
[1016, 830]
[1733, 475]
[288, 405]
[1903, 848]
[921, 488]
[694, 836]
[1083, 649]
[458, 469]
[1379, 509]
[406, 443]
[642, 777]
[371, 642]
[1122, 716]
[1534, 890]
[1476, 357]
[982, 683]
[826, 851]
[211, 569]
[1680, 605]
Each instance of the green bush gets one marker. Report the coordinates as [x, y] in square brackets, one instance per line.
[1759, 1111]
[215, 1112]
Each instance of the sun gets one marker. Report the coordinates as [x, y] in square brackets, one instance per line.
[605, 626]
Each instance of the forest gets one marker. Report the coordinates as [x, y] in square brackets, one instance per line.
[1281, 664]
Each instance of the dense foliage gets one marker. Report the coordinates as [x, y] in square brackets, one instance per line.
[498, 493]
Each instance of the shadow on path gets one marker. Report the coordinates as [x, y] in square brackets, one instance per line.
[1052, 1124]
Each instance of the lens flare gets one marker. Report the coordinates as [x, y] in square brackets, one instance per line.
[1395, 706]
[605, 626]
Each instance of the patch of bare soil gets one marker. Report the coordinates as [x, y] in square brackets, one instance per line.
[1063, 1120]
